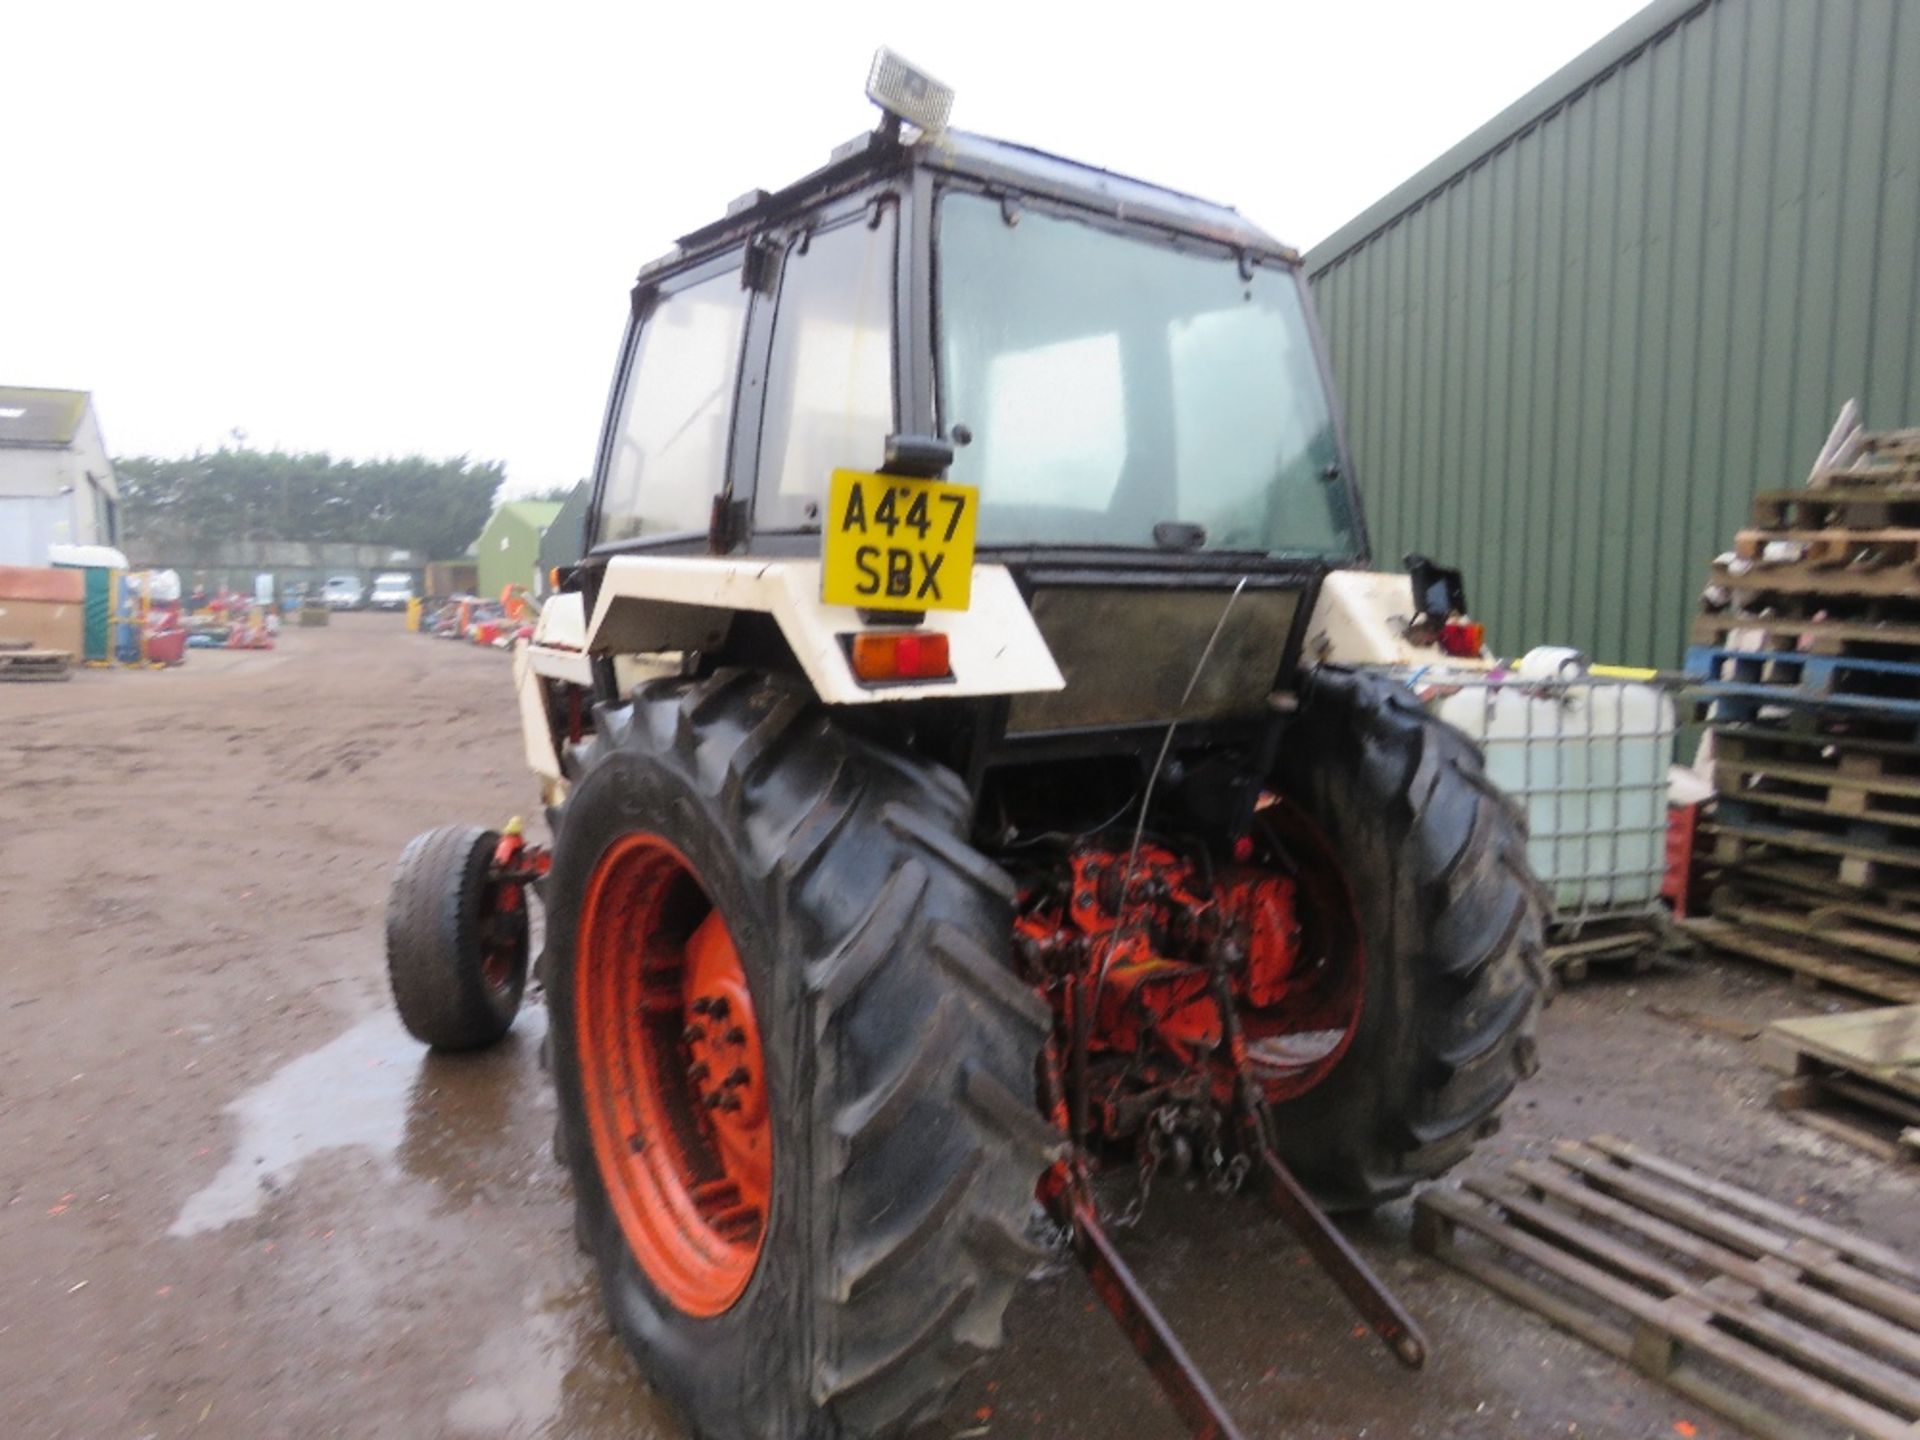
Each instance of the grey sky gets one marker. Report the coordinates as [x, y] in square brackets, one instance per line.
[376, 229]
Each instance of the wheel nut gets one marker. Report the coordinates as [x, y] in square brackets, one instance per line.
[730, 1102]
[693, 1033]
[713, 1099]
[718, 1007]
[738, 1078]
[736, 1036]
[697, 1071]
[702, 1005]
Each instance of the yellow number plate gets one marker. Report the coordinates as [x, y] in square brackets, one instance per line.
[897, 544]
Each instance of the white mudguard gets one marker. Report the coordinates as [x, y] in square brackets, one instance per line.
[650, 605]
[559, 649]
[1361, 618]
[536, 734]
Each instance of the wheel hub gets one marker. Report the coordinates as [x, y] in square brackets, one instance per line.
[673, 1076]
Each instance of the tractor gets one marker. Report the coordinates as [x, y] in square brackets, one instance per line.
[964, 797]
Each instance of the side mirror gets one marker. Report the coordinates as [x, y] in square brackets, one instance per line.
[924, 457]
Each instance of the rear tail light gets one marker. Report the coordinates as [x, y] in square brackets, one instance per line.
[901, 655]
[1463, 638]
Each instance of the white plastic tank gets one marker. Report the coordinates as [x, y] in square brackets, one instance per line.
[1586, 757]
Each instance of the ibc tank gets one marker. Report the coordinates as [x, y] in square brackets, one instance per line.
[1587, 758]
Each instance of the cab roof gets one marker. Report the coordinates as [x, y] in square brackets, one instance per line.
[993, 162]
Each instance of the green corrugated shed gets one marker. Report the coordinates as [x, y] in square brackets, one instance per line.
[1573, 347]
[566, 538]
[508, 550]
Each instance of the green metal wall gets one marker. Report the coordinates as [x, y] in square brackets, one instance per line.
[507, 553]
[1572, 349]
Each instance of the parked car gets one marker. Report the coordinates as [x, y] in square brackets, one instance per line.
[391, 592]
[342, 592]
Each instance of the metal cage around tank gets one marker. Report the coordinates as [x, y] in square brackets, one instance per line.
[1586, 758]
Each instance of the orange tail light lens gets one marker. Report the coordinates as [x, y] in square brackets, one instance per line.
[1464, 638]
[905, 655]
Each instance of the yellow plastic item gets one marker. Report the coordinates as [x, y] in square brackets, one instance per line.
[413, 612]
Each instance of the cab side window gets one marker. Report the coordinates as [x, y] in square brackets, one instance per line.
[669, 452]
[829, 398]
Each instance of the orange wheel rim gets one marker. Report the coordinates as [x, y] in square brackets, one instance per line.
[1293, 1054]
[672, 1075]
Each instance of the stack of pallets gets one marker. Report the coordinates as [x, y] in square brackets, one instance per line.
[1808, 654]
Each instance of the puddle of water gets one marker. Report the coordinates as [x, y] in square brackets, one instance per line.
[355, 1092]
[556, 1372]
[524, 1366]
[352, 1091]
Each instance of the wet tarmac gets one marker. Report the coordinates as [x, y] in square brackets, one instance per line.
[237, 1200]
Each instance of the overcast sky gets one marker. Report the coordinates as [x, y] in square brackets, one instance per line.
[400, 227]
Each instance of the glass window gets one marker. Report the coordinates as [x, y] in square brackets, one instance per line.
[1111, 382]
[829, 399]
[670, 449]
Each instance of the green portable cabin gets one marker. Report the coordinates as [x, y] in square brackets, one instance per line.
[99, 565]
[508, 550]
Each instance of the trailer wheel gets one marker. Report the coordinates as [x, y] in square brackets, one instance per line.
[456, 958]
[795, 1070]
[1453, 924]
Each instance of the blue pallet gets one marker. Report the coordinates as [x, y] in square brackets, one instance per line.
[1814, 670]
[1810, 688]
[1737, 702]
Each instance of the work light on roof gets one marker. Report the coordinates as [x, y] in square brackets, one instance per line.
[907, 93]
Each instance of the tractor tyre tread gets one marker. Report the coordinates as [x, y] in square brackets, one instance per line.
[1454, 924]
[909, 1163]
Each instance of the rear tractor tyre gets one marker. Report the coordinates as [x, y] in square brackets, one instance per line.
[457, 963]
[1452, 923]
[795, 1070]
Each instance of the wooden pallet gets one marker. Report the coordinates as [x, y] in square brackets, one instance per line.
[1868, 854]
[1893, 503]
[1894, 904]
[1902, 446]
[1886, 804]
[1853, 1076]
[1830, 549]
[1809, 964]
[1808, 633]
[16, 664]
[1837, 750]
[1720, 1294]
[1800, 578]
[1872, 458]
[1822, 923]
[1632, 941]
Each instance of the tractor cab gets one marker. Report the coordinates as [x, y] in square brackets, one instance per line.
[1047, 417]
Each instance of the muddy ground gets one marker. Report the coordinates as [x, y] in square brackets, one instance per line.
[236, 1200]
